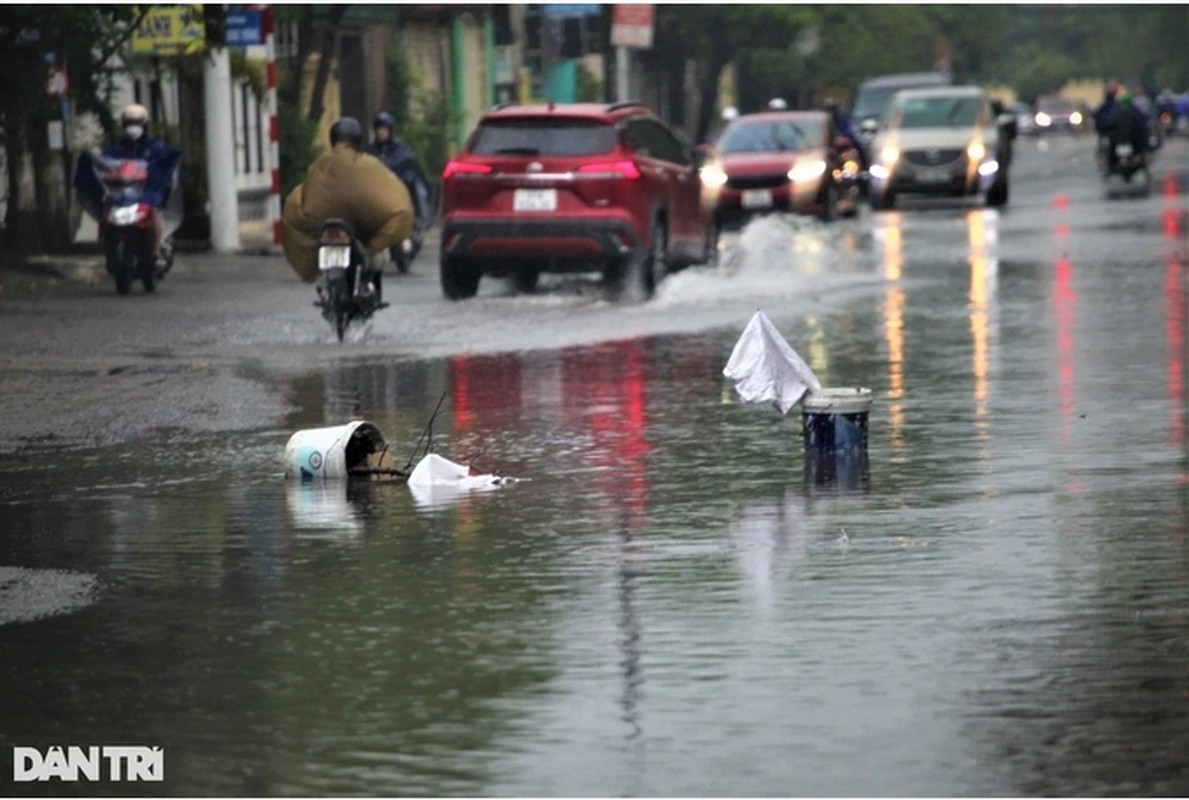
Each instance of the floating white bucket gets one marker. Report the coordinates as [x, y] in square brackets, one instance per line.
[835, 420]
[322, 454]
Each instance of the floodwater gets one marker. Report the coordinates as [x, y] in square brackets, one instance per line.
[668, 603]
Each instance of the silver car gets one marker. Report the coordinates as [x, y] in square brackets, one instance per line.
[939, 141]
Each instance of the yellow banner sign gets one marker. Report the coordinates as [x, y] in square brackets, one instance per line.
[170, 31]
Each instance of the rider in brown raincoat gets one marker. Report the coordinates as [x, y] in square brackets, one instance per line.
[351, 185]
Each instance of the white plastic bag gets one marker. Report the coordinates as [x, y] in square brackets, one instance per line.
[437, 481]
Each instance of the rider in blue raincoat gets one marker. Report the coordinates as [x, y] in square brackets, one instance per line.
[135, 143]
[400, 158]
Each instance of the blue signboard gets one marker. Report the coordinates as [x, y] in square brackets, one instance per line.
[571, 9]
[243, 28]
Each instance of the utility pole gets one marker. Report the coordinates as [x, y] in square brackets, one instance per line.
[220, 151]
[622, 73]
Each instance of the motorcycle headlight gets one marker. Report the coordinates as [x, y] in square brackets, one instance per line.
[713, 176]
[807, 170]
[975, 151]
[124, 215]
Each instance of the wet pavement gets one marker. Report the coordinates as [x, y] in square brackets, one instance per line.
[669, 603]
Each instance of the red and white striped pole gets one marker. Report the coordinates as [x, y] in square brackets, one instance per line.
[274, 140]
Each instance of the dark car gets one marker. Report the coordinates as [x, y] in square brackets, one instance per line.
[773, 161]
[874, 94]
[1056, 113]
[572, 188]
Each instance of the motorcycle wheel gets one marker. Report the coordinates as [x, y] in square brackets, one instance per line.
[883, 202]
[337, 309]
[829, 203]
[401, 260]
[121, 264]
[997, 194]
[147, 267]
[713, 237]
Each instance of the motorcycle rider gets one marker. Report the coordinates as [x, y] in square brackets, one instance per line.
[1166, 109]
[1104, 115]
[136, 143]
[352, 185]
[840, 123]
[1130, 125]
[1145, 105]
[395, 154]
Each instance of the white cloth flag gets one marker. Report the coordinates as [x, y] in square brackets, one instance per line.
[766, 369]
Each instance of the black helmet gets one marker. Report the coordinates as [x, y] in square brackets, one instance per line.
[347, 130]
[384, 120]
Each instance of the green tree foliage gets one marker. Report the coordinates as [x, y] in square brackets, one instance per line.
[1036, 48]
[298, 126]
[1045, 46]
[1036, 70]
[590, 86]
[298, 147]
[81, 38]
[423, 118]
[716, 35]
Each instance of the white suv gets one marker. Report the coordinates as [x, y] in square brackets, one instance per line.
[939, 141]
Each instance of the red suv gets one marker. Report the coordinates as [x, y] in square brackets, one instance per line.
[572, 188]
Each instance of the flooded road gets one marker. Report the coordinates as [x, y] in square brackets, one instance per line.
[668, 603]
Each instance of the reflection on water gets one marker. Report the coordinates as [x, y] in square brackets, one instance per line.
[670, 604]
[889, 236]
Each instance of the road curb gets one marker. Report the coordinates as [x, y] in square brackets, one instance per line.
[88, 269]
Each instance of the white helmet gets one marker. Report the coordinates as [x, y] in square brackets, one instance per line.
[729, 113]
[777, 104]
[134, 114]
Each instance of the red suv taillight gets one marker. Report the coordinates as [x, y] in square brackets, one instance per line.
[611, 169]
[464, 168]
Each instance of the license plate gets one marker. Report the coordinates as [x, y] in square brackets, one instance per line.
[336, 257]
[933, 176]
[535, 200]
[1123, 149]
[756, 198]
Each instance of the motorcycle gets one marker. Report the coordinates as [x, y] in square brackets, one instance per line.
[424, 206]
[1120, 159]
[348, 287]
[403, 254]
[112, 191]
[847, 180]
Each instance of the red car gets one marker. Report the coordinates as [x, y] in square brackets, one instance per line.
[571, 188]
[774, 161]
